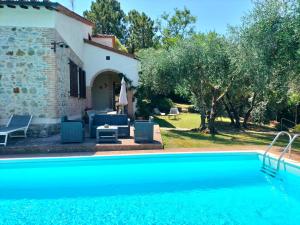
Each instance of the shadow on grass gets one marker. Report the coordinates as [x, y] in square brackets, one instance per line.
[233, 138]
[198, 136]
[225, 126]
[163, 123]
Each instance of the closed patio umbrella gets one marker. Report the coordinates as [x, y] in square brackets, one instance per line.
[123, 95]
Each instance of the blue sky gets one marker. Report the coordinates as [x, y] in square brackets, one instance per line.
[211, 14]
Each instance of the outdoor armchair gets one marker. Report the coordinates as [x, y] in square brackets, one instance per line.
[143, 131]
[72, 131]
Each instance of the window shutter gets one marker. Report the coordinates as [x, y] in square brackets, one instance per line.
[73, 79]
[82, 84]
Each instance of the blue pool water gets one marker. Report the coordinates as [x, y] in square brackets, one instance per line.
[154, 189]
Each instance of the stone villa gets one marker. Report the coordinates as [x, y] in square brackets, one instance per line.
[51, 65]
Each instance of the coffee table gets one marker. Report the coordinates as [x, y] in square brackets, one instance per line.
[107, 134]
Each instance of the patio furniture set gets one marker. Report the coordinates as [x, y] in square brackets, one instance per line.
[104, 127]
[107, 128]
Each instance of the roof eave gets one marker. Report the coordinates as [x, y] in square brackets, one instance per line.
[109, 49]
[50, 6]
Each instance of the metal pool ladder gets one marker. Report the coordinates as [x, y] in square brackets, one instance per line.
[268, 168]
[287, 148]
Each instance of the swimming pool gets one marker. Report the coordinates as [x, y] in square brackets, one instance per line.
[219, 188]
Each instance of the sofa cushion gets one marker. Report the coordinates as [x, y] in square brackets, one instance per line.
[110, 120]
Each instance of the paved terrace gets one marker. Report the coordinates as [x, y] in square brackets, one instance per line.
[52, 145]
[295, 156]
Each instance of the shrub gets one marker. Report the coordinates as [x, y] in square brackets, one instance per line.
[147, 101]
[163, 104]
[144, 108]
[296, 129]
[193, 109]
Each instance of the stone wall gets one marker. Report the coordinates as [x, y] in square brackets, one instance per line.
[66, 105]
[35, 80]
[27, 69]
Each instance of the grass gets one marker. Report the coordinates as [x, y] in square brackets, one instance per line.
[228, 136]
[189, 139]
[192, 121]
[184, 107]
[185, 120]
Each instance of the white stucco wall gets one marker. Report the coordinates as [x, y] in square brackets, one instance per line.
[95, 62]
[19, 17]
[73, 32]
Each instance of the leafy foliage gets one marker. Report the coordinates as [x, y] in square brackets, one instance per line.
[141, 31]
[201, 64]
[177, 26]
[297, 129]
[108, 17]
[266, 55]
[252, 73]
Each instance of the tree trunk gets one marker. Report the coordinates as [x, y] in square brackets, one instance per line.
[203, 123]
[248, 113]
[197, 92]
[235, 113]
[237, 119]
[232, 123]
[212, 116]
[246, 117]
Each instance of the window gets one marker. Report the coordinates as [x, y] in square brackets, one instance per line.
[108, 57]
[82, 84]
[77, 81]
[73, 79]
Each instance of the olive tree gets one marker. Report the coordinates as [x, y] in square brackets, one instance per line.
[201, 64]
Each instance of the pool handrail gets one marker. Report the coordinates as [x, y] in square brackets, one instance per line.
[274, 141]
[288, 147]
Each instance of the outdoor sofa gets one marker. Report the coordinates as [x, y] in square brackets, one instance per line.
[17, 126]
[71, 131]
[121, 121]
[143, 131]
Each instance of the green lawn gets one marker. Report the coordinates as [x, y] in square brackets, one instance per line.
[189, 139]
[184, 120]
[227, 136]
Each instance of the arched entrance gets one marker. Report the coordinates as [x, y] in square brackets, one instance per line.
[105, 91]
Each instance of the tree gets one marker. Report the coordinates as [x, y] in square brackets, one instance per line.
[253, 73]
[266, 54]
[200, 63]
[108, 17]
[217, 75]
[178, 26]
[141, 31]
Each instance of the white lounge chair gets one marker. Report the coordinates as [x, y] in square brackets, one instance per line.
[157, 112]
[173, 112]
[15, 123]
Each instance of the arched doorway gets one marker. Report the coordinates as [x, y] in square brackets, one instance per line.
[105, 91]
